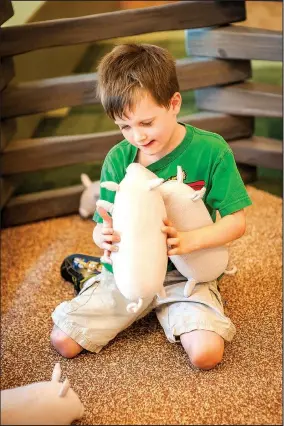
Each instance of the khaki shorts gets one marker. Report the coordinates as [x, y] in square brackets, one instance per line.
[98, 313]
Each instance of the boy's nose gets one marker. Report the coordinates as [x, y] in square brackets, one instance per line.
[139, 137]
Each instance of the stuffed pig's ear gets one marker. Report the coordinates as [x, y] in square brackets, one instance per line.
[198, 194]
[112, 186]
[154, 183]
[64, 388]
[179, 174]
[56, 373]
[86, 181]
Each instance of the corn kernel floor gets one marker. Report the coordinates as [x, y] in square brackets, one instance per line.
[140, 378]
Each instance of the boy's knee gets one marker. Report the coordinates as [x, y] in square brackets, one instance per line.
[204, 348]
[205, 359]
[66, 346]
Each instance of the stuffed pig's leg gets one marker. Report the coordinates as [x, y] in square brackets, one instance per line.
[134, 307]
[231, 271]
[162, 293]
[189, 286]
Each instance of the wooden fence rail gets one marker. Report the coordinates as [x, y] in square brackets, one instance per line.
[258, 151]
[63, 32]
[235, 42]
[53, 93]
[56, 151]
[257, 99]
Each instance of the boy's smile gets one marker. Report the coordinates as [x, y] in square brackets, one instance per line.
[153, 129]
[145, 144]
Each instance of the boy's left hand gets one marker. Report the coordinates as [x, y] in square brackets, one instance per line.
[176, 240]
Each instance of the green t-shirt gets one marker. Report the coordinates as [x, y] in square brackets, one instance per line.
[206, 160]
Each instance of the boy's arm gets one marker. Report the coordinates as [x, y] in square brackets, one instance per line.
[226, 194]
[228, 228]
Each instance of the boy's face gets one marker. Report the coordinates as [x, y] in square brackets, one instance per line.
[153, 129]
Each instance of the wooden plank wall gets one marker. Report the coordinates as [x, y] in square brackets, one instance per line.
[219, 72]
[246, 98]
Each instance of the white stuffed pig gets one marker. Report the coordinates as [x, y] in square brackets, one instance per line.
[89, 196]
[41, 403]
[138, 211]
[187, 211]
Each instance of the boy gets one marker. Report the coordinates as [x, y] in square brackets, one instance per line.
[138, 88]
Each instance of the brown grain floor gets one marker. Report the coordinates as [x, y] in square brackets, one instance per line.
[140, 378]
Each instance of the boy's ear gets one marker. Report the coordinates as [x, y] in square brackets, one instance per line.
[176, 102]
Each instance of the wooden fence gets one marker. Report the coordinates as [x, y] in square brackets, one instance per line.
[220, 73]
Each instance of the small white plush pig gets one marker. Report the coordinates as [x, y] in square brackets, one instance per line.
[89, 196]
[138, 211]
[187, 211]
[41, 403]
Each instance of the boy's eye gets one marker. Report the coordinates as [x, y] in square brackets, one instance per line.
[143, 124]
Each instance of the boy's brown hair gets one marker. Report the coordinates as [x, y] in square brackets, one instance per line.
[130, 68]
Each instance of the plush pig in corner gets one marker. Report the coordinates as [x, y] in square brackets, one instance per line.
[41, 403]
[89, 196]
[138, 211]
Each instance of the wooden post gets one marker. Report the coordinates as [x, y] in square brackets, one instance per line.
[6, 10]
[7, 72]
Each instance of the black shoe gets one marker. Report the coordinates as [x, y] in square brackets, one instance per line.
[78, 268]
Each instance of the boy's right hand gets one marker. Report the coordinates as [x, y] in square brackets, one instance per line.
[109, 235]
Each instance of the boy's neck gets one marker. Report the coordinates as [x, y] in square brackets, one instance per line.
[177, 137]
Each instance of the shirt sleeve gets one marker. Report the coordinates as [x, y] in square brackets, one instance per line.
[227, 192]
[108, 173]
